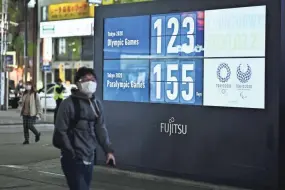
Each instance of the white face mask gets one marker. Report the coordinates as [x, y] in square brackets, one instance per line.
[89, 87]
[28, 87]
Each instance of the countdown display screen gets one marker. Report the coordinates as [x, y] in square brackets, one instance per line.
[211, 58]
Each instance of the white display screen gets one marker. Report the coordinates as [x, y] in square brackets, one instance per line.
[234, 57]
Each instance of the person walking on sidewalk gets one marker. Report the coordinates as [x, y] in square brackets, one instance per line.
[58, 95]
[79, 121]
[20, 86]
[31, 110]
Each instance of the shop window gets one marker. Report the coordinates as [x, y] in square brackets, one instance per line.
[56, 74]
[68, 75]
[68, 49]
[49, 78]
[42, 79]
[87, 48]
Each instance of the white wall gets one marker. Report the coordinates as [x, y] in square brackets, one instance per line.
[48, 2]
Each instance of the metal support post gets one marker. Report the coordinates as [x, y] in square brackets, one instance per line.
[2, 81]
[4, 31]
[45, 109]
[38, 54]
[35, 40]
[6, 28]
[26, 61]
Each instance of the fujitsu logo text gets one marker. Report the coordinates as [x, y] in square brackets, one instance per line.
[172, 128]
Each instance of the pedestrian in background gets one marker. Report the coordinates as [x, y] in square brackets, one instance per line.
[31, 111]
[79, 121]
[20, 88]
[20, 85]
[58, 95]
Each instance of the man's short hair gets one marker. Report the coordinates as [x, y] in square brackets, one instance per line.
[82, 71]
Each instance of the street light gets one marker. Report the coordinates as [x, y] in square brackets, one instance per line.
[27, 4]
[32, 4]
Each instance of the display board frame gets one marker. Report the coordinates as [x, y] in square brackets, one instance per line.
[217, 137]
[222, 63]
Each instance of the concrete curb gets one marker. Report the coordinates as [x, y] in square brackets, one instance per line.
[135, 175]
[162, 179]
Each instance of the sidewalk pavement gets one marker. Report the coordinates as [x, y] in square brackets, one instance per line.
[108, 178]
[16, 128]
[113, 179]
[12, 117]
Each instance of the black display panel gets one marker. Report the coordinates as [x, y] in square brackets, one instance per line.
[222, 145]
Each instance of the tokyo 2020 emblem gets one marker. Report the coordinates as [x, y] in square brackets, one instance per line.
[244, 73]
[223, 72]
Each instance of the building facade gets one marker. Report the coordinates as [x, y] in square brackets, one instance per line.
[66, 31]
[65, 40]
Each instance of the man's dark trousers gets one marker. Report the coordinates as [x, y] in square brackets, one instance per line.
[58, 102]
[77, 174]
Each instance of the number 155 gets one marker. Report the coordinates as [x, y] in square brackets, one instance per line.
[178, 82]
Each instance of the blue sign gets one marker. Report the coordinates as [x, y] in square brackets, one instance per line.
[126, 80]
[126, 36]
[130, 74]
[46, 68]
[177, 81]
[177, 34]
[9, 59]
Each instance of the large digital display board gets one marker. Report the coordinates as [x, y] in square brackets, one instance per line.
[211, 58]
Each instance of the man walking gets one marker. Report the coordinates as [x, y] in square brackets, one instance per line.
[79, 125]
[58, 95]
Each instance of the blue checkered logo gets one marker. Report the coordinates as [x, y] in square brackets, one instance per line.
[244, 73]
[223, 72]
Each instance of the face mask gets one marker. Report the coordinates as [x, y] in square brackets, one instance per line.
[88, 87]
[28, 87]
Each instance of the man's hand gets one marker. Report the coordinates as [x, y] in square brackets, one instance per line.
[110, 157]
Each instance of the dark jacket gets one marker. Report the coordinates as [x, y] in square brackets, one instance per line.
[80, 140]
